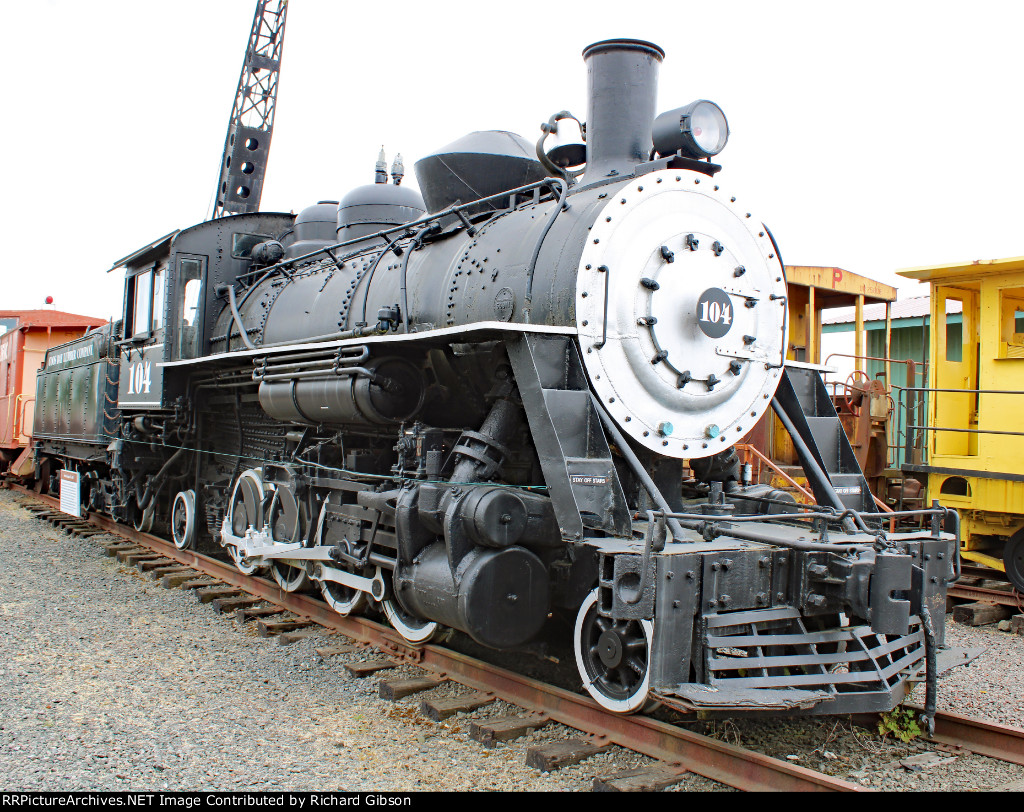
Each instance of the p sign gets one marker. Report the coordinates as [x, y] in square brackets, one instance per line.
[71, 492]
[714, 312]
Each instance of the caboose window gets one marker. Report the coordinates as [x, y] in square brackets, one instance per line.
[1011, 323]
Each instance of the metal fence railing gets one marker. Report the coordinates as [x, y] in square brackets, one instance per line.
[903, 406]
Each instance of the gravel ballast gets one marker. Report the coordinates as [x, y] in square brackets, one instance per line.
[110, 682]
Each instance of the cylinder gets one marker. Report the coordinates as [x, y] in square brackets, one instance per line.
[622, 87]
[501, 599]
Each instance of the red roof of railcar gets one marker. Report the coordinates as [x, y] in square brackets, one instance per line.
[50, 318]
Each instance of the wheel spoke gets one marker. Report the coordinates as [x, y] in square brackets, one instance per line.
[637, 665]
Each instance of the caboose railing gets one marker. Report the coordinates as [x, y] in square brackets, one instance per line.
[916, 445]
[897, 446]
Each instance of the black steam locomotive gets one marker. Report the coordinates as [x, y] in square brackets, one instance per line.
[471, 409]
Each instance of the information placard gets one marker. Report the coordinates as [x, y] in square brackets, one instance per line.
[71, 493]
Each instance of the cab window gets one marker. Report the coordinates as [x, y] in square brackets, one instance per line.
[159, 291]
[147, 292]
[142, 310]
[189, 305]
[242, 244]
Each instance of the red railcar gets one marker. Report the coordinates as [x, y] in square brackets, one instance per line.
[28, 335]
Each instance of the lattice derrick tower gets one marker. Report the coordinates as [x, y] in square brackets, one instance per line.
[247, 144]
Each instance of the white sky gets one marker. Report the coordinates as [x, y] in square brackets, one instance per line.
[871, 135]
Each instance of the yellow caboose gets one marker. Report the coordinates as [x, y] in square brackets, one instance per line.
[971, 447]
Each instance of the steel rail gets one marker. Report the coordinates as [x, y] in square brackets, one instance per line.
[992, 739]
[1003, 597]
[719, 761]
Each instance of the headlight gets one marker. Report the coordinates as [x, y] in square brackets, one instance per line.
[698, 130]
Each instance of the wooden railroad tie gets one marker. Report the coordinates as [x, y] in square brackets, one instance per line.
[330, 651]
[112, 547]
[490, 732]
[200, 583]
[156, 563]
[211, 594]
[287, 638]
[642, 779]
[555, 755]
[228, 605]
[120, 552]
[366, 667]
[270, 628]
[980, 613]
[123, 546]
[437, 710]
[174, 580]
[176, 569]
[85, 530]
[131, 558]
[401, 688]
[242, 615]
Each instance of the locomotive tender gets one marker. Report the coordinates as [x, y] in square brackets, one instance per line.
[471, 409]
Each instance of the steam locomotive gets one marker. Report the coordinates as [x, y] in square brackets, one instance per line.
[470, 408]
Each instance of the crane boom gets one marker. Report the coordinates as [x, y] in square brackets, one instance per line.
[247, 144]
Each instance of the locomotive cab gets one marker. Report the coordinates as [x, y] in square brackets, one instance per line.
[171, 299]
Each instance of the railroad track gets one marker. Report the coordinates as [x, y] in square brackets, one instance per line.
[988, 585]
[291, 616]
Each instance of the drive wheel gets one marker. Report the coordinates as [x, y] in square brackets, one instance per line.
[342, 599]
[183, 519]
[142, 520]
[285, 525]
[412, 628]
[245, 510]
[613, 658]
[1013, 561]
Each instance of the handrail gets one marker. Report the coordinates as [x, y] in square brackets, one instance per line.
[803, 491]
[21, 421]
[964, 391]
[454, 209]
[909, 362]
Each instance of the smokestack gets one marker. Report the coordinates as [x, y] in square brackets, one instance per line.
[622, 87]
